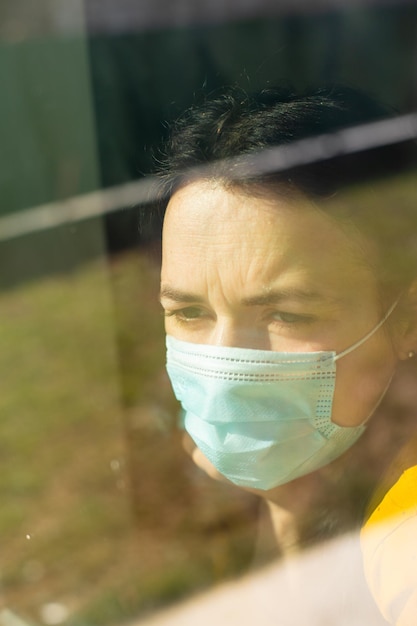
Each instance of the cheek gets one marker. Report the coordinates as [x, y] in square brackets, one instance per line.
[169, 327]
[362, 378]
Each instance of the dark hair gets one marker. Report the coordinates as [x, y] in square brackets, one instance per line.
[234, 124]
[210, 140]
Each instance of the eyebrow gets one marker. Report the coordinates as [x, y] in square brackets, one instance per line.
[271, 297]
[276, 296]
[177, 295]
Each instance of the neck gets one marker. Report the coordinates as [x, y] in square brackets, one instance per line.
[306, 510]
[289, 506]
[284, 528]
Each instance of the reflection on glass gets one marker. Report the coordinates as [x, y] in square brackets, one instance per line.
[104, 518]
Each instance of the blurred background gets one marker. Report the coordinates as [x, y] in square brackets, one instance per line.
[103, 518]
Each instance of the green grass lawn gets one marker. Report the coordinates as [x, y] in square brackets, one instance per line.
[100, 509]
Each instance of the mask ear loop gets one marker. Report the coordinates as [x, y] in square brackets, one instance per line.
[371, 332]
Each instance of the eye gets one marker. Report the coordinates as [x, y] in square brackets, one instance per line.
[186, 314]
[285, 317]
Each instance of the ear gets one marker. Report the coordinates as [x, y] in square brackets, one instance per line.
[405, 324]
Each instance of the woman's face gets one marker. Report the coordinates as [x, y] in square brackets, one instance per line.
[275, 274]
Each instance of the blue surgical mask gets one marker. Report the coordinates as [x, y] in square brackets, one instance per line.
[262, 418]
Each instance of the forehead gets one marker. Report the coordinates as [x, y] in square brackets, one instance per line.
[205, 209]
[257, 238]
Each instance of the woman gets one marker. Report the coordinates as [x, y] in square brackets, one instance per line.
[289, 303]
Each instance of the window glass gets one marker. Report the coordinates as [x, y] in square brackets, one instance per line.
[109, 512]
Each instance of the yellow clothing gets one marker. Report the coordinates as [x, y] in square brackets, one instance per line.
[389, 548]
